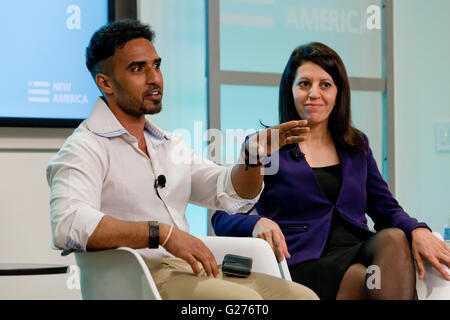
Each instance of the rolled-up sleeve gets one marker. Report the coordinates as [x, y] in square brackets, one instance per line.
[75, 176]
[228, 196]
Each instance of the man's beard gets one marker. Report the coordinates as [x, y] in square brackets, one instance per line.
[129, 105]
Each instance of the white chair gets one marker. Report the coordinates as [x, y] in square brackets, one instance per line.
[433, 286]
[122, 273]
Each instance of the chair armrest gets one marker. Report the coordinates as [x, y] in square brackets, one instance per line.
[433, 286]
[285, 273]
[264, 260]
[115, 274]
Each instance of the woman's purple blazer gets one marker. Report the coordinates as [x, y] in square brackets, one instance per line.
[294, 199]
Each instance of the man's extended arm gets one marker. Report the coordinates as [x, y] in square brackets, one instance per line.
[113, 233]
[247, 181]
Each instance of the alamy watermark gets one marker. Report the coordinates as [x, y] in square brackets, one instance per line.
[73, 280]
[373, 21]
[335, 20]
[226, 147]
[373, 279]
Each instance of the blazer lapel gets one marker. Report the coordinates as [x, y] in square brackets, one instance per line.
[343, 157]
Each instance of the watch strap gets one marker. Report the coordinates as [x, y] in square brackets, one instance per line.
[153, 238]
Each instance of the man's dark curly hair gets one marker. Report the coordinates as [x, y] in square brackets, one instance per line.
[108, 38]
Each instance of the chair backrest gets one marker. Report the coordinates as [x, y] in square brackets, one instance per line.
[115, 274]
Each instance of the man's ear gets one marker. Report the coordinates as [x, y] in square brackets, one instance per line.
[104, 83]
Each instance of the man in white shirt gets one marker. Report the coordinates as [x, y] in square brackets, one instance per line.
[121, 181]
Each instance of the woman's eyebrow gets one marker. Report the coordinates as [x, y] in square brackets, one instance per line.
[308, 78]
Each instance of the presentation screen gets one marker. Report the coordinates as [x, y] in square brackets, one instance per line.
[44, 80]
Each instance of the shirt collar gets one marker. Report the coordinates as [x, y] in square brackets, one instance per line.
[103, 123]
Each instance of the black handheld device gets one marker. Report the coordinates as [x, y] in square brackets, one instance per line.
[237, 266]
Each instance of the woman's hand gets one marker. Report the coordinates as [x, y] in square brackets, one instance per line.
[435, 251]
[270, 231]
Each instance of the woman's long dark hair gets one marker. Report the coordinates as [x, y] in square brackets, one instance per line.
[345, 136]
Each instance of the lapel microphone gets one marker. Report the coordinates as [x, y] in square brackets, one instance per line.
[160, 182]
[296, 155]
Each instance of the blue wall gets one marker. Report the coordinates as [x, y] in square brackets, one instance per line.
[422, 99]
[422, 67]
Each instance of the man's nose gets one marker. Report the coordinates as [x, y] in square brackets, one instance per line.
[154, 76]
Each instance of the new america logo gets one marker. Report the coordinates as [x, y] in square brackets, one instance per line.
[55, 92]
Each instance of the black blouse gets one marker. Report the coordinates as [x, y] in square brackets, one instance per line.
[330, 179]
[342, 233]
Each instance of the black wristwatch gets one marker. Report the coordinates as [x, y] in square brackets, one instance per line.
[153, 238]
[260, 160]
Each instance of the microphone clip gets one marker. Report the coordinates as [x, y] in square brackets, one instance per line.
[296, 155]
[160, 182]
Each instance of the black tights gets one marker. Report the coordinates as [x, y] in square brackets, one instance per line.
[392, 278]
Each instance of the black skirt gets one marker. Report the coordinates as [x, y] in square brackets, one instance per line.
[324, 275]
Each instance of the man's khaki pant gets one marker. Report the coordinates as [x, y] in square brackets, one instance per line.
[176, 281]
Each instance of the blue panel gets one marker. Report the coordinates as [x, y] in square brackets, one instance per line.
[181, 43]
[252, 104]
[42, 57]
[197, 219]
[368, 116]
[259, 35]
[242, 109]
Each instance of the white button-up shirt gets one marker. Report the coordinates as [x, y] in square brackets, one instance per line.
[100, 170]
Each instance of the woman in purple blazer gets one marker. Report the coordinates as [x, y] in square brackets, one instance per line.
[312, 211]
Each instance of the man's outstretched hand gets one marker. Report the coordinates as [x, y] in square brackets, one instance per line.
[266, 142]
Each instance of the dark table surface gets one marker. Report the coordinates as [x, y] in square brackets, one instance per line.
[27, 269]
